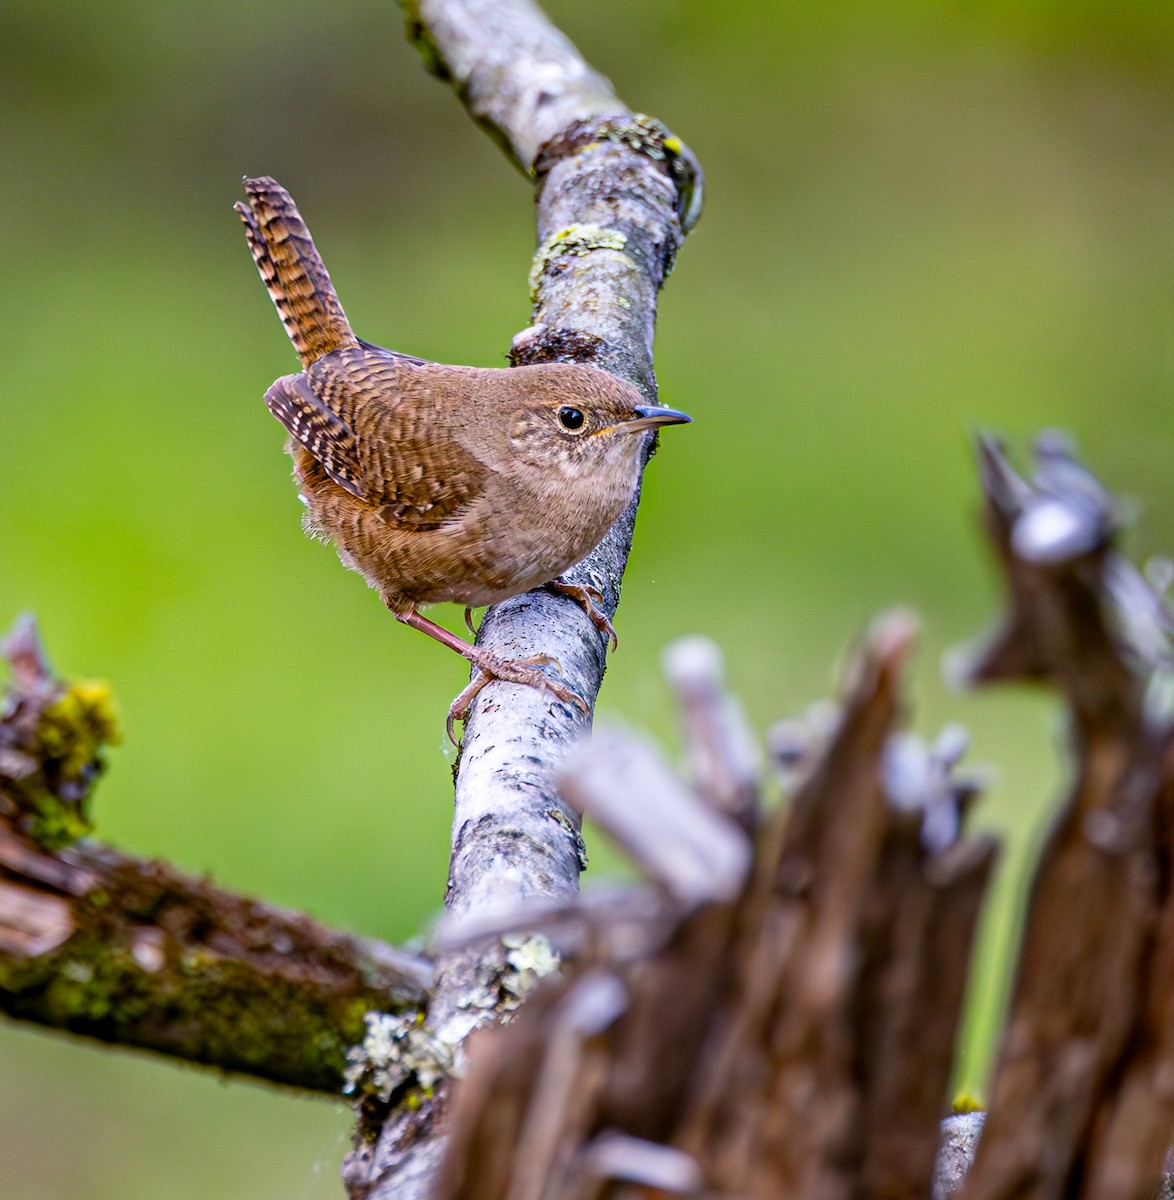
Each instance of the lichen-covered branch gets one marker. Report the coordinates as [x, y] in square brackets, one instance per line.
[616, 193]
[609, 224]
[131, 951]
[134, 952]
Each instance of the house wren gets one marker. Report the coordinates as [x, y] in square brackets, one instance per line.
[438, 483]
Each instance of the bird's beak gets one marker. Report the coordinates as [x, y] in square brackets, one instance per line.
[652, 416]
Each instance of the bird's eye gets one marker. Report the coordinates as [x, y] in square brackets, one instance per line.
[570, 418]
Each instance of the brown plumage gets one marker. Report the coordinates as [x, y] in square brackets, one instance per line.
[437, 482]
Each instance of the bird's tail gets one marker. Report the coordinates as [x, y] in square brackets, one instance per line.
[292, 271]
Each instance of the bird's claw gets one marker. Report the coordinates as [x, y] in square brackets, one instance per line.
[518, 670]
[589, 599]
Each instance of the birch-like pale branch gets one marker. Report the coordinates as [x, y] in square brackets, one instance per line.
[610, 205]
[615, 194]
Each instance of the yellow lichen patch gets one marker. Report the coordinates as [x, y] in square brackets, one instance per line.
[966, 1101]
[76, 727]
[574, 240]
[60, 758]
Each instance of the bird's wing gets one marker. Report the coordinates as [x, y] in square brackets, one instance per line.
[395, 355]
[397, 442]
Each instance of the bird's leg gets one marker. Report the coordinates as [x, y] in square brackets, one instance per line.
[469, 620]
[489, 667]
[588, 598]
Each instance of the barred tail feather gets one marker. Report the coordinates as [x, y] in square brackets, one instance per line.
[293, 272]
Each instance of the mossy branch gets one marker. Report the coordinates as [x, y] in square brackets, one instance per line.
[132, 951]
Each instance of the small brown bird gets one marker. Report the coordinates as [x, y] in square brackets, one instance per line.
[439, 483]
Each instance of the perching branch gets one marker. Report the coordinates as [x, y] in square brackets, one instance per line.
[615, 195]
[611, 194]
[132, 951]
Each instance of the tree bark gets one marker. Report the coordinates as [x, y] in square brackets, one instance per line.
[133, 951]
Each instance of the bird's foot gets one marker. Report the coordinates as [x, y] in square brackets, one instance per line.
[526, 671]
[487, 667]
[469, 620]
[588, 599]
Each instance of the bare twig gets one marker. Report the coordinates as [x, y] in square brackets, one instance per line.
[723, 759]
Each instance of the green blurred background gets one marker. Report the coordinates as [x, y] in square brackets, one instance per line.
[922, 218]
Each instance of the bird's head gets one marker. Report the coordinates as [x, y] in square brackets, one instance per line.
[577, 421]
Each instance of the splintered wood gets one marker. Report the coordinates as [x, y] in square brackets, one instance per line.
[789, 1031]
[774, 1014]
[1083, 1097]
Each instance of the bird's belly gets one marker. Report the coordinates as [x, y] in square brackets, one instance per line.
[480, 558]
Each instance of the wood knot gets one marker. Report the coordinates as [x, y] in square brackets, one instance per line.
[547, 344]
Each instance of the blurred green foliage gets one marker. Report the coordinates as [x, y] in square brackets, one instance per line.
[922, 218]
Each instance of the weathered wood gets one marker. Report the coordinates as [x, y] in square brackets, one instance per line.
[1081, 619]
[769, 1037]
